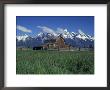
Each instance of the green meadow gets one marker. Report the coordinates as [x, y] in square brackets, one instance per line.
[54, 62]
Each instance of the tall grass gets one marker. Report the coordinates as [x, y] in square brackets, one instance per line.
[54, 62]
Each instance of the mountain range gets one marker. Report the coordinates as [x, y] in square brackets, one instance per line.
[79, 39]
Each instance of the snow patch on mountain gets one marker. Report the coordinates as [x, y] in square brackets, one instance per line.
[22, 37]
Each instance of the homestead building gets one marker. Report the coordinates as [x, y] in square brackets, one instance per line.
[58, 43]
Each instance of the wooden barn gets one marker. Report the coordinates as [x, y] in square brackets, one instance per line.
[58, 43]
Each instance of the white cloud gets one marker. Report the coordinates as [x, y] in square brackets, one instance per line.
[23, 29]
[55, 32]
[47, 30]
[60, 30]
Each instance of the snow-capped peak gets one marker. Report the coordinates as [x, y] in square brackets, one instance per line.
[73, 33]
[65, 30]
[91, 38]
[22, 37]
[82, 35]
[66, 34]
[80, 32]
[40, 34]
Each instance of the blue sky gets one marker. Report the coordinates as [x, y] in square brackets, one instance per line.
[33, 25]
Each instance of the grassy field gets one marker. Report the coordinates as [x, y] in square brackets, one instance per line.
[54, 62]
